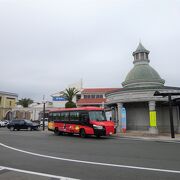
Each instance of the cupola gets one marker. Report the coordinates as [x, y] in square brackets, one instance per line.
[141, 54]
[142, 74]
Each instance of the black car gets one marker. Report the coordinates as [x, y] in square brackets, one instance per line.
[22, 124]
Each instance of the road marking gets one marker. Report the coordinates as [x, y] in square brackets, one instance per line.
[1, 168]
[36, 173]
[91, 162]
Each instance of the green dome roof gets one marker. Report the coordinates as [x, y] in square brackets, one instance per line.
[142, 74]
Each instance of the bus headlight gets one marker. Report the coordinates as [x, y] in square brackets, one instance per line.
[97, 127]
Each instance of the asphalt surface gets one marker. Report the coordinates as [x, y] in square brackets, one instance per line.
[89, 158]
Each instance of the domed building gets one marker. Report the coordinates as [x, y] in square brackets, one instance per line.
[144, 111]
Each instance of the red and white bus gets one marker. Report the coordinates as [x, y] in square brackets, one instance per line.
[83, 121]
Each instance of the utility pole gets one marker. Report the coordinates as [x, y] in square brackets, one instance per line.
[44, 103]
[171, 116]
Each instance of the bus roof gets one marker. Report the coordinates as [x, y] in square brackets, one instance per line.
[77, 109]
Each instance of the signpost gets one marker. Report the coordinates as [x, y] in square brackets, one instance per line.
[57, 98]
[123, 119]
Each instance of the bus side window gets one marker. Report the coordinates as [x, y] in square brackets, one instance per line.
[74, 117]
[50, 117]
[53, 117]
[84, 118]
[64, 116]
[58, 116]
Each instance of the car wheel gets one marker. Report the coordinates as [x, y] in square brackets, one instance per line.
[36, 128]
[29, 129]
[11, 128]
[82, 133]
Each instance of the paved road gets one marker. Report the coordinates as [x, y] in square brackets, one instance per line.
[90, 158]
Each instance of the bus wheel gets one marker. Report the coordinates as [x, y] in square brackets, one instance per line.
[82, 133]
[98, 135]
[56, 131]
[61, 133]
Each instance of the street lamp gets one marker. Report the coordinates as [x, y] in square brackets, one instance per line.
[169, 95]
[44, 108]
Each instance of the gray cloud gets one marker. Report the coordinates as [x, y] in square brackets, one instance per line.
[46, 45]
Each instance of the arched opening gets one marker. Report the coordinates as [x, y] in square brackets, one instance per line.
[9, 115]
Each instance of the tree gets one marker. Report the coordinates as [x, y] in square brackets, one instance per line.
[69, 94]
[25, 102]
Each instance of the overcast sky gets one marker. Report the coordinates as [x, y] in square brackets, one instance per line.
[45, 45]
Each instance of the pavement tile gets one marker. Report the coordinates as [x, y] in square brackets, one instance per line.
[147, 135]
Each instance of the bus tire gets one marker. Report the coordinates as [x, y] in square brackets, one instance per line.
[98, 135]
[82, 133]
[56, 131]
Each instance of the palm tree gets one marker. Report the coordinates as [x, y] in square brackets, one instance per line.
[25, 102]
[69, 94]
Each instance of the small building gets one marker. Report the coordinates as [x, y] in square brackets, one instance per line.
[144, 111]
[94, 96]
[7, 103]
[34, 112]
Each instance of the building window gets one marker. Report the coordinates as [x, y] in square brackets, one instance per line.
[137, 56]
[87, 96]
[142, 55]
[99, 96]
[92, 96]
[146, 55]
[78, 96]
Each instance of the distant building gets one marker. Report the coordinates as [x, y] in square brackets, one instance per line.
[34, 112]
[7, 103]
[94, 96]
[144, 111]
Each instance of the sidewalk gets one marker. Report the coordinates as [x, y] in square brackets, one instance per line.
[145, 135]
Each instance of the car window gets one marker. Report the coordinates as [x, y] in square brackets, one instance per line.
[28, 121]
[20, 122]
[14, 121]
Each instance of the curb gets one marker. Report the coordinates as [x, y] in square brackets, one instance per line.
[148, 138]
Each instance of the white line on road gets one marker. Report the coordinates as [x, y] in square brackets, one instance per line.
[36, 173]
[1, 168]
[91, 162]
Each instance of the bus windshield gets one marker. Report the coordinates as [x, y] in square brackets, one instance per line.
[97, 116]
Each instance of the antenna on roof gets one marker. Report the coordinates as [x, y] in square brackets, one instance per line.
[139, 40]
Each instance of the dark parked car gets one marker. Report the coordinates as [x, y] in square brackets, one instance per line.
[22, 124]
